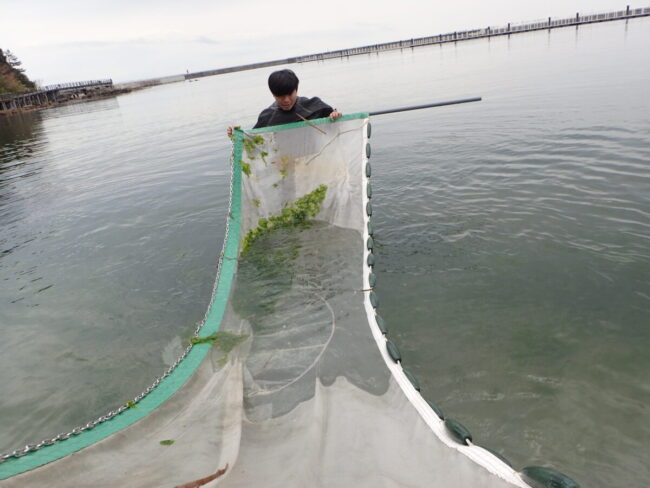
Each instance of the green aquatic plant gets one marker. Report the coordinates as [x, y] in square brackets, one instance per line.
[291, 216]
[224, 341]
[245, 168]
[251, 143]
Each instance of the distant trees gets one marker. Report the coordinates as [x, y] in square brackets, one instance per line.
[13, 61]
[12, 75]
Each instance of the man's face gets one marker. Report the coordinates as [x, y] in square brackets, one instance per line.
[286, 102]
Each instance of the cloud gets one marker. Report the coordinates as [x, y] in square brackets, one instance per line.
[206, 40]
[158, 40]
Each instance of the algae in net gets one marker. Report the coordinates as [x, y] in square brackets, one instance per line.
[251, 146]
[294, 215]
[225, 341]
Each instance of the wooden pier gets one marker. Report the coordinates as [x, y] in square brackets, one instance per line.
[52, 94]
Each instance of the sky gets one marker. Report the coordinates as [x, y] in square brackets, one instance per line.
[73, 40]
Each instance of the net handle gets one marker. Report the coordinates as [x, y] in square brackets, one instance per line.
[428, 105]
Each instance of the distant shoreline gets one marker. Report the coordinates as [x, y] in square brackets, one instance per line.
[29, 101]
[451, 37]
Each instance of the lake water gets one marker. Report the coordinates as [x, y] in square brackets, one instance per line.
[513, 239]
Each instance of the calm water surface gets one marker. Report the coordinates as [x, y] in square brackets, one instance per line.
[513, 239]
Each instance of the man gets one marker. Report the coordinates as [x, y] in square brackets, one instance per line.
[288, 106]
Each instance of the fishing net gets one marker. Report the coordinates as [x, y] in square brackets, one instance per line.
[292, 381]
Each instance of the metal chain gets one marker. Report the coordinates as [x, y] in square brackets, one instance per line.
[225, 238]
[108, 416]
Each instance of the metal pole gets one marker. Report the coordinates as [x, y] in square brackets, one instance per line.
[428, 105]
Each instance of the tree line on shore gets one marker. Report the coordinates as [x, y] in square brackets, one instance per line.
[12, 77]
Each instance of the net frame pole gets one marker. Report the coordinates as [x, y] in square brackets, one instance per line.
[428, 105]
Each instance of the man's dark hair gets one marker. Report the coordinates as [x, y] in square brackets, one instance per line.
[283, 82]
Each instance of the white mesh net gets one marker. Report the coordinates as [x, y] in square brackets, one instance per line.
[298, 389]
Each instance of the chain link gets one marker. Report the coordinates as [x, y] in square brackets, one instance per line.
[108, 416]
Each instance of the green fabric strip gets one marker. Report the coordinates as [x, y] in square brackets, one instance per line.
[294, 125]
[172, 383]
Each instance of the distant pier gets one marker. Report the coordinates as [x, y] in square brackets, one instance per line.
[53, 94]
[549, 23]
[510, 28]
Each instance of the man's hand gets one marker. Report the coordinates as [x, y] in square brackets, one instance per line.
[335, 114]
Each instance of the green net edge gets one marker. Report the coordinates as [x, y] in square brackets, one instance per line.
[171, 384]
[296, 125]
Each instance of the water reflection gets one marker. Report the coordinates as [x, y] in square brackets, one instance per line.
[83, 107]
[21, 139]
[18, 135]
